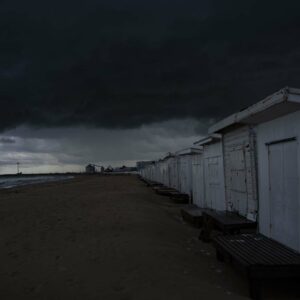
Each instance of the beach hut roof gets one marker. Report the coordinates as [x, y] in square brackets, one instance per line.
[168, 155]
[191, 150]
[285, 101]
[212, 138]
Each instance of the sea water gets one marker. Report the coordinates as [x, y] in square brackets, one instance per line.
[7, 182]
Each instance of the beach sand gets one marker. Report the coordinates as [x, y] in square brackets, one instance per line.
[105, 237]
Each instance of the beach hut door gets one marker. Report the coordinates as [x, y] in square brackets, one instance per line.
[213, 182]
[238, 184]
[283, 191]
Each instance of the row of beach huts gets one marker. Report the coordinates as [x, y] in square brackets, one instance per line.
[243, 179]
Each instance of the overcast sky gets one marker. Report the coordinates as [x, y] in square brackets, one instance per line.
[117, 81]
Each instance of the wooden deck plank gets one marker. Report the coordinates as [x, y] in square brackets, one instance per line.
[229, 221]
[166, 191]
[251, 253]
[247, 255]
[229, 218]
[153, 183]
[226, 222]
[180, 198]
[193, 214]
[269, 251]
[258, 250]
[260, 258]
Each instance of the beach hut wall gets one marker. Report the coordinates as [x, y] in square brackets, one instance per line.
[240, 170]
[214, 190]
[174, 173]
[163, 172]
[168, 169]
[279, 175]
[185, 173]
[198, 180]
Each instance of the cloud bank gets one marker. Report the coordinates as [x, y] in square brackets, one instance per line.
[70, 149]
[122, 64]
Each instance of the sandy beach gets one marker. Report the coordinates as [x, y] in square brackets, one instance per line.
[105, 237]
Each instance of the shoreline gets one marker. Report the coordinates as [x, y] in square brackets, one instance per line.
[19, 181]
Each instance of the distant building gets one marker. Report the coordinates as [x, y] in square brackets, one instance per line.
[125, 169]
[90, 169]
[109, 169]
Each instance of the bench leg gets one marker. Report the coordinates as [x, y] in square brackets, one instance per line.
[231, 231]
[255, 289]
[220, 256]
[206, 229]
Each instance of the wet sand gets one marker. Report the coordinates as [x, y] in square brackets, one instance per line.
[106, 237]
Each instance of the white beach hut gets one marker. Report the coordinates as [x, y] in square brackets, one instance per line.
[158, 171]
[198, 180]
[239, 166]
[276, 123]
[174, 172]
[184, 163]
[277, 120]
[166, 169]
[151, 172]
[214, 192]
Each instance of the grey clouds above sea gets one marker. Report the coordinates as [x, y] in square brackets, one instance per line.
[70, 149]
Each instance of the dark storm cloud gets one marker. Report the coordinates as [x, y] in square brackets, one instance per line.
[121, 64]
[7, 140]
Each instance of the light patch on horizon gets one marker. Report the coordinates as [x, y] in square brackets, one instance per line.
[70, 149]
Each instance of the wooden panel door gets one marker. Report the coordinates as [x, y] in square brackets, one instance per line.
[238, 185]
[284, 195]
[213, 173]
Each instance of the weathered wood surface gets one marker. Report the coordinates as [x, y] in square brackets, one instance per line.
[175, 195]
[151, 183]
[166, 192]
[193, 215]
[226, 222]
[258, 250]
[259, 257]
[229, 220]
[180, 198]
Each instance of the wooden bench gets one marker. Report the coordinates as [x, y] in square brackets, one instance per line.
[142, 179]
[193, 215]
[226, 222]
[166, 191]
[175, 195]
[152, 183]
[180, 198]
[260, 259]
